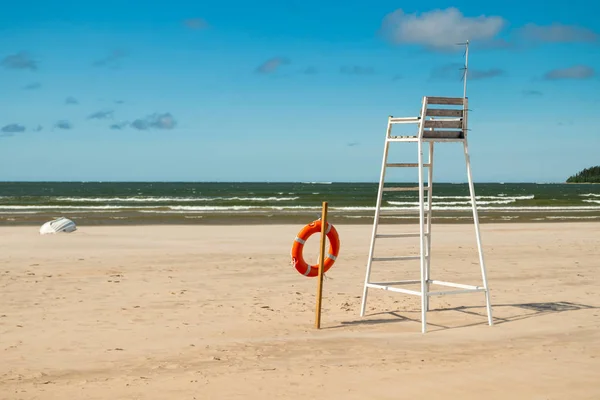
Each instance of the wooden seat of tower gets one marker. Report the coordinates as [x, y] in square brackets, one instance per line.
[445, 120]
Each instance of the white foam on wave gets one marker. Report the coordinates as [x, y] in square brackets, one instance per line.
[41, 207]
[507, 209]
[234, 208]
[500, 197]
[442, 217]
[590, 195]
[169, 199]
[22, 212]
[409, 207]
[448, 203]
[573, 217]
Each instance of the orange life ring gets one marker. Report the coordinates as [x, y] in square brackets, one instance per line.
[330, 257]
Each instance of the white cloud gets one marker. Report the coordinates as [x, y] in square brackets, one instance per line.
[196, 23]
[558, 33]
[440, 29]
[272, 65]
[574, 72]
[485, 73]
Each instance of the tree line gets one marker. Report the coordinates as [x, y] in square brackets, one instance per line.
[587, 175]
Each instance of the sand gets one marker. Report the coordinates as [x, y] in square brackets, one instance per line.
[201, 312]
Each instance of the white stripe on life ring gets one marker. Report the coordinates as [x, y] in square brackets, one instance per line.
[301, 241]
[332, 257]
[328, 228]
[307, 270]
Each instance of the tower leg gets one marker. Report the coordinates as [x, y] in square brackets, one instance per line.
[478, 233]
[429, 216]
[422, 240]
[375, 223]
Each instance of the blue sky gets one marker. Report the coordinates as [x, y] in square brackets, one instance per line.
[291, 90]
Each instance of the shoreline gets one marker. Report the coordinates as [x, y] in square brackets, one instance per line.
[233, 220]
[441, 226]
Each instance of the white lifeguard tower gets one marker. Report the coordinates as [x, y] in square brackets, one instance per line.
[442, 120]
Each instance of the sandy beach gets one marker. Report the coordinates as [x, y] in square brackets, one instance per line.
[217, 312]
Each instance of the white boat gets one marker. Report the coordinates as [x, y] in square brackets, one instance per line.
[58, 225]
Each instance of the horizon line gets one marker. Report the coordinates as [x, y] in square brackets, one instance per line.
[277, 181]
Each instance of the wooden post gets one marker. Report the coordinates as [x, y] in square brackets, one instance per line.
[321, 261]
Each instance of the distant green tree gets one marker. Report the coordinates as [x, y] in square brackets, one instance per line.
[588, 175]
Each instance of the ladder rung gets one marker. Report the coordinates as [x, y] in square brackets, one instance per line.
[404, 189]
[393, 289]
[447, 292]
[402, 139]
[404, 120]
[397, 258]
[398, 235]
[403, 165]
[456, 285]
[407, 282]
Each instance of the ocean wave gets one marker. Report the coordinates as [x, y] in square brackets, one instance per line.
[23, 212]
[246, 208]
[172, 200]
[501, 196]
[590, 195]
[448, 203]
[215, 208]
[442, 217]
[503, 209]
[573, 217]
[142, 208]
[168, 199]
[400, 206]
[45, 207]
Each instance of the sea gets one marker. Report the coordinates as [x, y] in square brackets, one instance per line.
[112, 203]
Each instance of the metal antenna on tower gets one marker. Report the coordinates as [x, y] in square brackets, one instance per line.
[465, 69]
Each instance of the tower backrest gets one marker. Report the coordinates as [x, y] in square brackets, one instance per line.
[446, 119]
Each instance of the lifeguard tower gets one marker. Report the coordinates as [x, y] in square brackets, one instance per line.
[442, 120]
